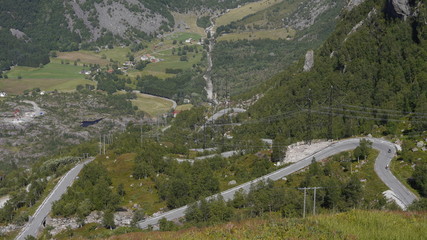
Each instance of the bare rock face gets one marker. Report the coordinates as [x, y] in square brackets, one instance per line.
[400, 8]
[309, 61]
[307, 13]
[18, 34]
[353, 3]
[117, 17]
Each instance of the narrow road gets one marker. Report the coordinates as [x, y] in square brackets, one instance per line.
[223, 112]
[383, 159]
[35, 223]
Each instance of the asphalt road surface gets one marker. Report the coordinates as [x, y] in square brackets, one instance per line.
[383, 160]
[223, 112]
[36, 221]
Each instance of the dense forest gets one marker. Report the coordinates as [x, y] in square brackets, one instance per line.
[356, 79]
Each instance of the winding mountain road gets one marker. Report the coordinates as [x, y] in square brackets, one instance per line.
[224, 112]
[36, 221]
[383, 160]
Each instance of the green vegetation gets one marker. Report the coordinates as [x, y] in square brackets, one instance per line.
[360, 77]
[62, 77]
[39, 183]
[276, 34]
[90, 192]
[359, 224]
[204, 22]
[252, 50]
[184, 85]
[239, 13]
[153, 106]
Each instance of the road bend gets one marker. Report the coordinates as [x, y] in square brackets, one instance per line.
[386, 150]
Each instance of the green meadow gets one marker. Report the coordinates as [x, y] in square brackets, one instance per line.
[53, 76]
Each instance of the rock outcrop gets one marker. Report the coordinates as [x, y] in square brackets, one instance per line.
[309, 61]
[353, 3]
[399, 8]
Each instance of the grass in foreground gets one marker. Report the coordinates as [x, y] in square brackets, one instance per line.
[356, 224]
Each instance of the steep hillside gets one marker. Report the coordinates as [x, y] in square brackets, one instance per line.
[369, 73]
[253, 49]
[45, 25]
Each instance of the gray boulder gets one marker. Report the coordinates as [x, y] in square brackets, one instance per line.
[309, 61]
[232, 182]
[401, 8]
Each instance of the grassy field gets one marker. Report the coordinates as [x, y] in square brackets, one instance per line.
[87, 57]
[190, 21]
[182, 36]
[173, 61]
[184, 107]
[239, 13]
[260, 34]
[90, 57]
[152, 105]
[117, 54]
[62, 77]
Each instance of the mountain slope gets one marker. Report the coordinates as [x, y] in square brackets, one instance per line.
[242, 64]
[65, 25]
[373, 59]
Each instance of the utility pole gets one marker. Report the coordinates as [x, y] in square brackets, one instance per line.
[141, 134]
[100, 144]
[330, 130]
[314, 202]
[104, 144]
[305, 198]
[309, 120]
[204, 135]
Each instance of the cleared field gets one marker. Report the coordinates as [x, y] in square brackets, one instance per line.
[190, 21]
[184, 107]
[239, 13]
[261, 34]
[84, 57]
[173, 61]
[62, 77]
[117, 54]
[182, 36]
[152, 105]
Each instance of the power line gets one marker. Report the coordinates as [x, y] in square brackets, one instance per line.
[384, 110]
[364, 112]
